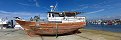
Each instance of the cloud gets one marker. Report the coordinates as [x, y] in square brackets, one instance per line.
[13, 14]
[1, 11]
[95, 11]
[81, 8]
[28, 4]
[36, 3]
[24, 4]
[100, 5]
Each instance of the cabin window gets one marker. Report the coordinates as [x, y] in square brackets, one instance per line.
[49, 15]
[52, 15]
[61, 15]
[58, 15]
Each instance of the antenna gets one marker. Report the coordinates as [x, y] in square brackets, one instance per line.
[53, 8]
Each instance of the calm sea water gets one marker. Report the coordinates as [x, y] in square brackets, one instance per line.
[112, 28]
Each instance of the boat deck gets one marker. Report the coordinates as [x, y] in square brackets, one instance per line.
[12, 34]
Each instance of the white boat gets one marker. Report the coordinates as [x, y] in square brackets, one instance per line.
[3, 23]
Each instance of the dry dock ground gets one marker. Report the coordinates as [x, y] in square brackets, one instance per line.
[12, 34]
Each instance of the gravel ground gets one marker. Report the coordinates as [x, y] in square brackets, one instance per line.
[12, 34]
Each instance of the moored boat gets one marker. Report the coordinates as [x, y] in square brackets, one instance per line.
[3, 23]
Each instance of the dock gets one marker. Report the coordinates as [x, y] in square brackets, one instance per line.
[14, 34]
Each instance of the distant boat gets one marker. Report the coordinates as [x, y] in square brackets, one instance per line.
[109, 23]
[3, 23]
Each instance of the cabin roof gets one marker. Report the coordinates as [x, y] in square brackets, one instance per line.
[66, 13]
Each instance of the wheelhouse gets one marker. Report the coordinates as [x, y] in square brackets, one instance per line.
[64, 17]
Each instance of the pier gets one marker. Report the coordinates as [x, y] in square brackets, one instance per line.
[13, 34]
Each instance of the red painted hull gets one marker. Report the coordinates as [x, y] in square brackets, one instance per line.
[50, 28]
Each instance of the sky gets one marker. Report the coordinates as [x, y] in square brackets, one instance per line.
[93, 9]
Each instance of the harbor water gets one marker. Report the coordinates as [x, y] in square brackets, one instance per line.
[111, 28]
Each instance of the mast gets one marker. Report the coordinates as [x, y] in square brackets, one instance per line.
[52, 10]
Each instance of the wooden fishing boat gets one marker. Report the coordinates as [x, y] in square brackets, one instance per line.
[58, 23]
[54, 26]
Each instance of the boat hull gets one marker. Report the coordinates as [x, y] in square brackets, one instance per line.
[43, 28]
